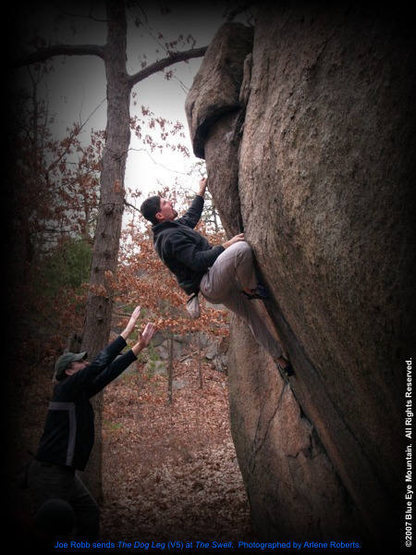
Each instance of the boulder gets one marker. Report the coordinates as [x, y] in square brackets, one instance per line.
[316, 164]
[215, 114]
[293, 487]
[216, 88]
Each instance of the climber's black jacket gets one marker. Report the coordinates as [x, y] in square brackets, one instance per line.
[68, 436]
[184, 251]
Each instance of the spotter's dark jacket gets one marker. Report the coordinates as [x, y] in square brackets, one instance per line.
[184, 251]
[68, 435]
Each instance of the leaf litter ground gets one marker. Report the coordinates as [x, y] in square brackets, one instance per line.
[170, 470]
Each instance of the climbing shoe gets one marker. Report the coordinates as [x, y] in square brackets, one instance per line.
[260, 292]
[287, 369]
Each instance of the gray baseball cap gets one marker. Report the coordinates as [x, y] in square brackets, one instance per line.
[65, 360]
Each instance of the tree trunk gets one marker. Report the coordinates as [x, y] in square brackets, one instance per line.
[99, 306]
[105, 254]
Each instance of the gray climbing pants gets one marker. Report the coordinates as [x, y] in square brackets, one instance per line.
[232, 272]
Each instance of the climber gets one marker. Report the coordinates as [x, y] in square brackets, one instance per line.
[68, 435]
[224, 274]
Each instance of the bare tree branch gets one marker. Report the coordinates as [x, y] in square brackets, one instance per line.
[130, 205]
[72, 134]
[43, 54]
[173, 58]
[83, 16]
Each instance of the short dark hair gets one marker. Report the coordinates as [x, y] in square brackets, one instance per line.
[149, 208]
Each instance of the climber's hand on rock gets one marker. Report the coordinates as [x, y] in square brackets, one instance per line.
[235, 239]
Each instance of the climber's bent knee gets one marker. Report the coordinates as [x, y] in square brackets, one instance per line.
[243, 246]
[241, 249]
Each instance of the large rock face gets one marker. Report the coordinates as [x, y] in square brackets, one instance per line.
[215, 116]
[312, 154]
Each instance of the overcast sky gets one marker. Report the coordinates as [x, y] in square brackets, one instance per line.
[76, 88]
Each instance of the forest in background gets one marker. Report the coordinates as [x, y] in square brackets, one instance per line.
[168, 462]
[55, 188]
